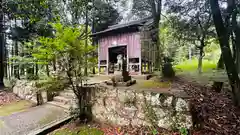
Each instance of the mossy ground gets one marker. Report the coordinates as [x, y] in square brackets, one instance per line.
[189, 70]
[192, 65]
[84, 130]
[14, 107]
[151, 84]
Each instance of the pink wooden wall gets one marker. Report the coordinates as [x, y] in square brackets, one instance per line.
[132, 40]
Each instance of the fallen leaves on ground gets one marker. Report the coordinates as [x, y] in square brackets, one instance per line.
[128, 130]
[215, 111]
[7, 97]
[114, 130]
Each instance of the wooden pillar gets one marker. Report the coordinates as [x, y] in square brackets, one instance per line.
[127, 58]
[140, 62]
[144, 65]
[149, 58]
[99, 68]
[107, 68]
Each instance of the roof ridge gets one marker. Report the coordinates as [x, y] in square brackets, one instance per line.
[131, 22]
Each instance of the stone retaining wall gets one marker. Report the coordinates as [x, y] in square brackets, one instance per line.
[123, 106]
[129, 107]
[26, 90]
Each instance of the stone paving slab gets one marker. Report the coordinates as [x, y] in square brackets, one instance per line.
[23, 123]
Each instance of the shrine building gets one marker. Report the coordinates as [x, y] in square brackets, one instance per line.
[131, 40]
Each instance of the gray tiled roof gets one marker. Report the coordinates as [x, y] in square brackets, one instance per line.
[119, 26]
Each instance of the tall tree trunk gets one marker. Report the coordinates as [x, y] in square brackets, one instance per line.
[36, 69]
[12, 61]
[93, 38]
[5, 58]
[201, 53]
[86, 40]
[158, 48]
[16, 65]
[22, 71]
[217, 86]
[1, 47]
[236, 40]
[156, 14]
[223, 38]
[200, 60]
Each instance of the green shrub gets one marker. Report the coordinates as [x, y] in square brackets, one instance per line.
[53, 84]
[32, 77]
[183, 131]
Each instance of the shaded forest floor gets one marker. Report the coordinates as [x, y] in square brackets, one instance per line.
[214, 113]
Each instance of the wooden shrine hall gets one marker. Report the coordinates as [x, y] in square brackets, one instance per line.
[132, 42]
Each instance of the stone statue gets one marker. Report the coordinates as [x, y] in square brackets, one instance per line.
[119, 62]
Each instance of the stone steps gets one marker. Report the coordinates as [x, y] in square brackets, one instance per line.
[67, 94]
[59, 104]
[63, 99]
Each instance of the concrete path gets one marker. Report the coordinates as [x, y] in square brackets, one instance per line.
[23, 123]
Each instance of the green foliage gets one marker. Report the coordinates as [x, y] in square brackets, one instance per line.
[32, 77]
[191, 65]
[104, 15]
[155, 132]
[52, 84]
[35, 15]
[212, 50]
[183, 131]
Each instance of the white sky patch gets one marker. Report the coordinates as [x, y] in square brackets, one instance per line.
[125, 10]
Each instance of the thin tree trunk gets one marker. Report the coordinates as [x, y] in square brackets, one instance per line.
[156, 40]
[47, 70]
[16, 66]
[5, 58]
[201, 53]
[36, 69]
[217, 86]
[22, 54]
[86, 40]
[236, 40]
[54, 64]
[12, 61]
[93, 38]
[1, 47]
[156, 13]
[223, 38]
[22, 71]
[200, 60]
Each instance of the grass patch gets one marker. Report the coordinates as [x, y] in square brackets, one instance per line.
[151, 84]
[207, 77]
[192, 65]
[80, 131]
[14, 107]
